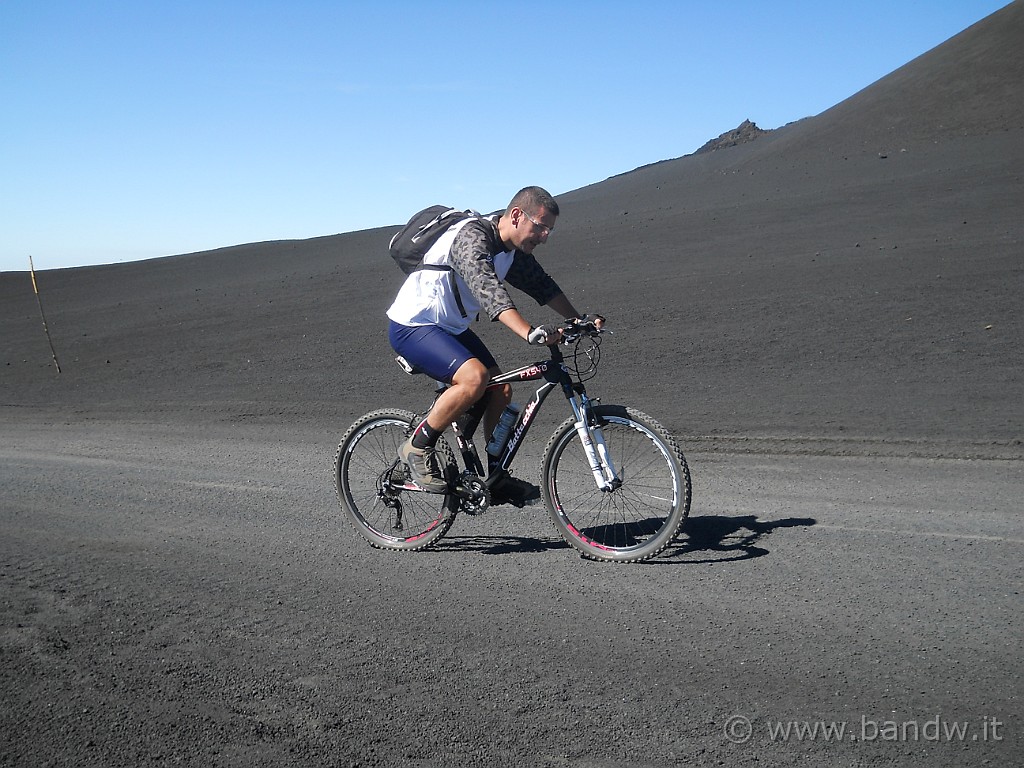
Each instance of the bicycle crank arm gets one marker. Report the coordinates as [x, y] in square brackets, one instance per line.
[473, 494]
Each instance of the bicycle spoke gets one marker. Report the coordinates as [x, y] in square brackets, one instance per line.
[382, 512]
[639, 518]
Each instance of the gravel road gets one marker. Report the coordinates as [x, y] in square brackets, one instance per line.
[183, 596]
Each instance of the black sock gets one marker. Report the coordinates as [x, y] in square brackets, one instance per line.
[425, 436]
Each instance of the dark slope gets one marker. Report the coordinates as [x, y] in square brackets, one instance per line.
[859, 271]
[855, 274]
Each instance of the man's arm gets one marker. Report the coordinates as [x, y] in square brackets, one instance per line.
[471, 256]
[515, 322]
[563, 306]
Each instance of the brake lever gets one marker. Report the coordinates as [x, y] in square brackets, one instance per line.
[571, 333]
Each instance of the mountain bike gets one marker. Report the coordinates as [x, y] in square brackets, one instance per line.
[614, 481]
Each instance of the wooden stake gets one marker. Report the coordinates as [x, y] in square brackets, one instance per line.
[39, 301]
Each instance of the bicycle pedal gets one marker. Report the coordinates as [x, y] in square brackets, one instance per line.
[410, 485]
[404, 483]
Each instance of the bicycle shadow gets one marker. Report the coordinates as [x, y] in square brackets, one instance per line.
[721, 538]
[734, 538]
[499, 545]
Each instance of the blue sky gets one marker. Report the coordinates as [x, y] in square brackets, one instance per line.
[134, 130]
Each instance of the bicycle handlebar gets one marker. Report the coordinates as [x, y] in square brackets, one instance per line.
[577, 328]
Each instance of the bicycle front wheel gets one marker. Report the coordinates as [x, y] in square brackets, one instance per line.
[369, 478]
[635, 521]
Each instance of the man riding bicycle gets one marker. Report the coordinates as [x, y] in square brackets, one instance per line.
[431, 317]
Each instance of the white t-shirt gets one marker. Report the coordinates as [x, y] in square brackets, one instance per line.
[428, 296]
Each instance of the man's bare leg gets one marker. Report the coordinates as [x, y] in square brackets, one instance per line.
[468, 386]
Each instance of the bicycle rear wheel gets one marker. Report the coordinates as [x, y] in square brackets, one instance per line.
[369, 477]
[639, 519]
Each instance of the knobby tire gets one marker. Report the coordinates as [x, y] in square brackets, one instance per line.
[415, 520]
[634, 522]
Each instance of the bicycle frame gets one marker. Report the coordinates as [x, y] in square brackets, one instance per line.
[554, 373]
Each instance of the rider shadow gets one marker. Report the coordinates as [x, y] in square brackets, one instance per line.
[731, 538]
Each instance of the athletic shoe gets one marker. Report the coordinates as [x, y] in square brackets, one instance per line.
[512, 490]
[423, 468]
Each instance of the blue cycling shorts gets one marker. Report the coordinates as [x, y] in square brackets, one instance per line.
[439, 353]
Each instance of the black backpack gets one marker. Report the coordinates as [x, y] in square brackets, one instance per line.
[411, 243]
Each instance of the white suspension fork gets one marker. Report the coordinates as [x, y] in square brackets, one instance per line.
[596, 450]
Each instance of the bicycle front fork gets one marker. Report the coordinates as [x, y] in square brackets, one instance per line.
[605, 474]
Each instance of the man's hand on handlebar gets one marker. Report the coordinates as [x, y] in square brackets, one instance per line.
[544, 335]
[594, 319]
[571, 330]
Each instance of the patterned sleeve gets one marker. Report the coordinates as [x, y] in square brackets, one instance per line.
[529, 276]
[472, 258]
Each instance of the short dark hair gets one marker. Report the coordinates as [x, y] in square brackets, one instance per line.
[532, 199]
